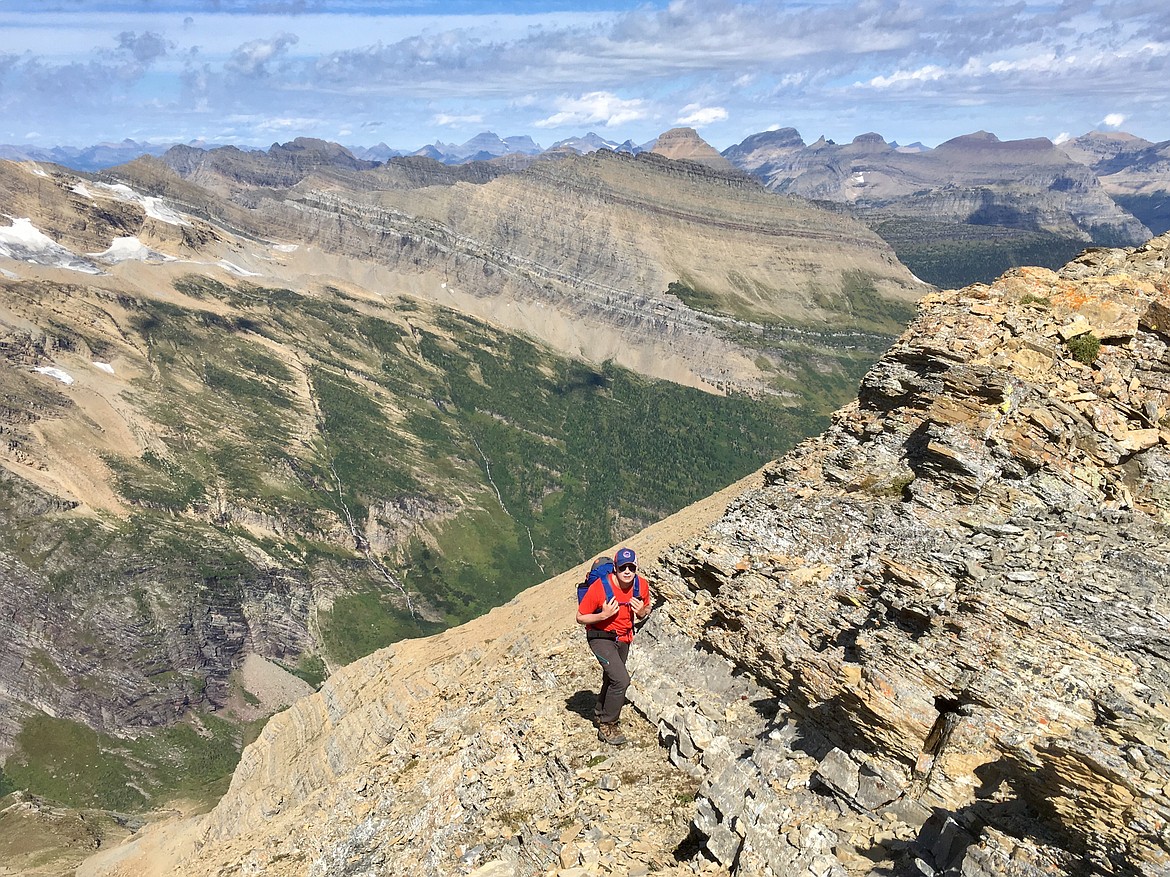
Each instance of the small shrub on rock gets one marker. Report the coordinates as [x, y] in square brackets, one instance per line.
[1084, 348]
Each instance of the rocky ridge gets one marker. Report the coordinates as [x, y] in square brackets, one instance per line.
[949, 613]
[932, 640]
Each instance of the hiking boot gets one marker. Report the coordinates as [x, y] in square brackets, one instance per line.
[611, 734]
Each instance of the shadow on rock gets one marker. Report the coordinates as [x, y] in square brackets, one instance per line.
[582, 703]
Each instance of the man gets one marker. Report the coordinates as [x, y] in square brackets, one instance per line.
[609, 624]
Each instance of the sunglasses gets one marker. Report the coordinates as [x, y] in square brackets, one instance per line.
[628, 567]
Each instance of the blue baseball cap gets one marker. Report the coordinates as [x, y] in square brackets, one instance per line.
[624, 556]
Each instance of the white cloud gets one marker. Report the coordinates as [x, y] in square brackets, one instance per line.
[928, 71]
[595, 108]
[899, 78]
[1113, 120]
[694, 114]
[446, 120]
[252, 58]
[292, 123]
[1062, 137]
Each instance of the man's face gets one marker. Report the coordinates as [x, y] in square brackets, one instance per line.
[626, 572]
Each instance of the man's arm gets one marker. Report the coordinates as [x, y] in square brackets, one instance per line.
[608, 610]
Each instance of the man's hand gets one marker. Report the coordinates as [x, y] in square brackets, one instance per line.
[610, 609]
[641, 607]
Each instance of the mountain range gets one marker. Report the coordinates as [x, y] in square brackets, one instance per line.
[956, 214]
[266, 412]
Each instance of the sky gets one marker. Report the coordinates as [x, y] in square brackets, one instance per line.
[412, 72]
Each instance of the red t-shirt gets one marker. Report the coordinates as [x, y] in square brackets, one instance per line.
[623, 623]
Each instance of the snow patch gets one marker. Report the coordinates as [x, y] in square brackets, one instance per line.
[54, 372]
[26, 243]
[235, 269]
[154, 207]
[131, 249]
[22, 232]
[4, 272]
[36, 170]
[120, 191]
[104, 366]
[82, 190]
[285, 248]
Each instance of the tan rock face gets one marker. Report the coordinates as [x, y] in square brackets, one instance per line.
[933, 639]
[685, 143]
[990, 643]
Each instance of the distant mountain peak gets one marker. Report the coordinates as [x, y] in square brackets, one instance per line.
[592, 142]
[685, 143]
[986, 140]
[483, 146]
[765, 150]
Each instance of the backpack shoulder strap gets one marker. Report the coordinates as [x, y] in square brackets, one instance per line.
[637, 586]
[608, 585]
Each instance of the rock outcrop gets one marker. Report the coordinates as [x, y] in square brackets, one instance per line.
[948, 613]
[932, 640]
[685, 143]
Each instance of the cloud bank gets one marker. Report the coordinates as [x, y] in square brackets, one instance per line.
[226, 70]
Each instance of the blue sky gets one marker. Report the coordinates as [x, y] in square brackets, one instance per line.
[76, 72]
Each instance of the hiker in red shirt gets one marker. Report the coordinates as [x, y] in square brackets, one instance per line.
[610, 630]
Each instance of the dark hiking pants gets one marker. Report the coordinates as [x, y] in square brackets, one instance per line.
[615, 679]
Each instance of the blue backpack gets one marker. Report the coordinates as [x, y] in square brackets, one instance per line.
[602, 568]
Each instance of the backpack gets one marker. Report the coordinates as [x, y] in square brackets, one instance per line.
[603, 568]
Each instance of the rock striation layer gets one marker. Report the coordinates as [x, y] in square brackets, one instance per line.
[932, 640]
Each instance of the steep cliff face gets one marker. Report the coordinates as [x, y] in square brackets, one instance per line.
[931, 640]
[1135, 173]
[616, 242]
